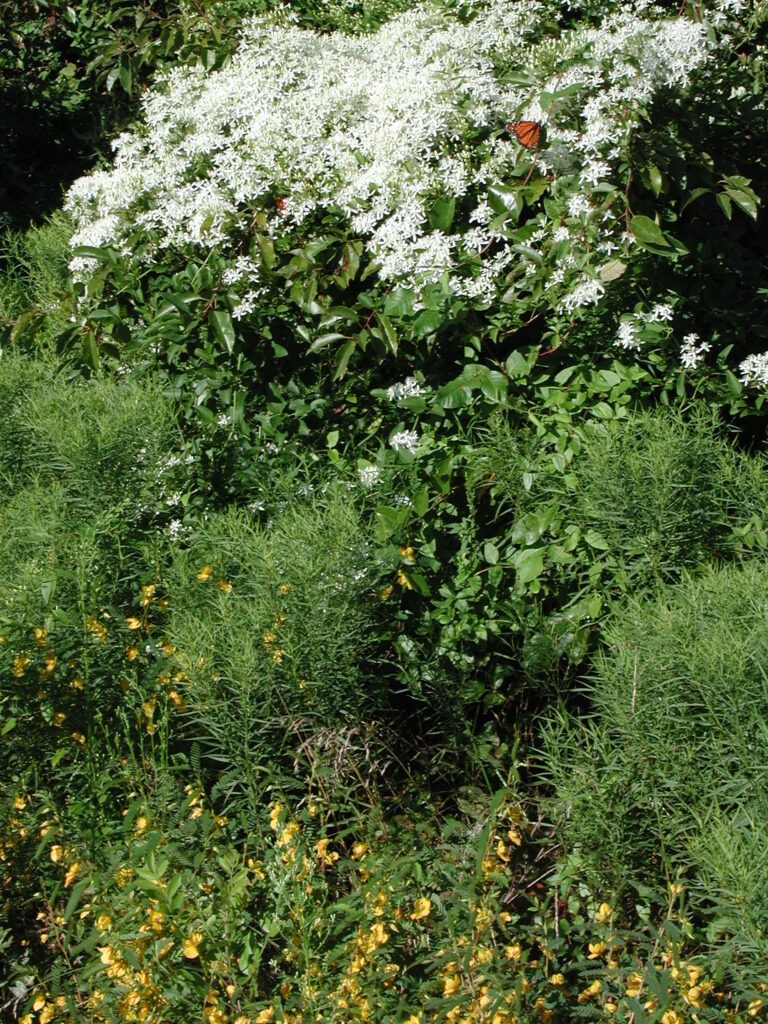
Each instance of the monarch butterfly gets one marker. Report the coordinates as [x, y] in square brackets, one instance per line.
[527, 133]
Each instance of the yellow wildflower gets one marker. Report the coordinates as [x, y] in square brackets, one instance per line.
[403, 580]
[103, 922]
[557, 980]
[225, 587]
[421, 908]
[451, 985]
[590, 991]
[191, 943]
[671, 1017]
[359, 850]
[265, 1016]
[204, 573]
[131, 653]
[58, 718]
[78, 738]
[41, 635]
[77, 683]
[604, 913]
[323, 856]
[384, 593]
[56, 853]
[595, 949]
[754, 1007]
[133, 622]
[46, 1014]
[19, 666]
[513, 951]
[142, 824]
[72, 874]
[19, 803]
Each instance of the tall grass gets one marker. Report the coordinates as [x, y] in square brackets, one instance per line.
[665, 779]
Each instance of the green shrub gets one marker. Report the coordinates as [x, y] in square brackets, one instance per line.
[274, 626]
[672, 756]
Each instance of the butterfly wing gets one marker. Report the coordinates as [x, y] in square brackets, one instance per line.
[527, 133]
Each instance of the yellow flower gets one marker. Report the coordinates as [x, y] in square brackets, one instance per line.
[403, 580]
[77, 683]
[46, 1013]
[107, 955]
[408, 555]
[147, 593]
[384, 593]
[265, 1016]
[242, 1019]
[557, 980]
[204, 573]
[225, 587]
[56, 853]
[421, 908]
[754, 1007]
[451, 985]
[131, 653]
[79, 738]
[595, 949]
[133, 622]
[72, 874]
[19, 666]
[148, 707]
[58, 718]
[359, 850]
[513, 952]
[323, 856]
[191, 943]
[142, 824]
[604, 913]
[19, 803]
[590, 991]
[41, 635]
[414, 1019]
[670, 1017]
[103, 922]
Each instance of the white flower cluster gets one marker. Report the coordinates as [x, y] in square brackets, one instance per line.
[409, 388]
[754, 370]
[374, 128]
[369, 475]
[692, 351]
[405, 441]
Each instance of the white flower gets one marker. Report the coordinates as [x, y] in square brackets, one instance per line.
[369, 475]
[561, 234]
[409, 388]
[627, 337]
[578, 205]
[405, 441]
[754, 370]
[692, 351]
[588, 292]
[661, 312]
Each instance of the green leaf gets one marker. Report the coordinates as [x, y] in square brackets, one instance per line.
[90, 350]
[734, 384]
[267, 250]
[221, 322]
[491, 553]
[647, 231]
[400, 302]
[388, 331]
[345, 352]
[656, 178]
[441, 213]
[529, 564]
[612, 270]
[323, 340]
[695, 193]
[420, 501]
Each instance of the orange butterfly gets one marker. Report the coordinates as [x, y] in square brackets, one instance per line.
[527, 133]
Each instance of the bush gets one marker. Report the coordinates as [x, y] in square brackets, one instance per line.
[275, 631]
[672, 755]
